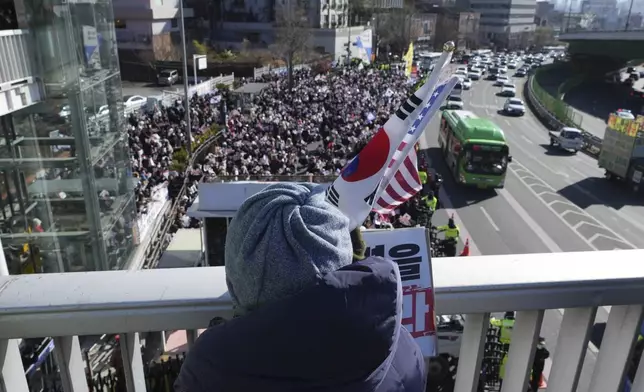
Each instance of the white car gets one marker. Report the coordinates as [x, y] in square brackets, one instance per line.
[65, 111]
[134, 100]
[475, 74]
[501, 80]
[625, 114]
[454, 102]
[512, 65]
[514, 107]
[102, 112]
[461, 72]
[508, 90]
[467, 84]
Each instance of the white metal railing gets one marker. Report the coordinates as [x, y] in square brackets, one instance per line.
[126, 302]
[267, 69]
[202, 88]
[16, 56]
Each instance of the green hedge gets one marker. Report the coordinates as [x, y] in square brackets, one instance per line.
[180, 157]
[555, 106]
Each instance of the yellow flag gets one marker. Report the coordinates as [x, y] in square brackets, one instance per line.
[25, 246]
[409, 59]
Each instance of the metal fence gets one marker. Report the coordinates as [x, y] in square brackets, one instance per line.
[554, 105]
[168, 97]
[267, 69]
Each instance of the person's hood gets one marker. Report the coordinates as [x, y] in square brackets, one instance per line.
[339, 335]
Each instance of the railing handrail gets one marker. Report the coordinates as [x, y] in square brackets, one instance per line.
[278, 177]
[4, 33]
[187, 298]
[602, 31]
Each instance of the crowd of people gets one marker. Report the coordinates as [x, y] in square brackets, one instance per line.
[154, 136]
[312, 128]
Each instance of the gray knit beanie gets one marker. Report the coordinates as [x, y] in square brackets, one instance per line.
[280, 240]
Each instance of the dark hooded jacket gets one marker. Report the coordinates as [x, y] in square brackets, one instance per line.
[343, 334]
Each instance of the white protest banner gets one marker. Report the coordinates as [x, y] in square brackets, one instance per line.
[408, 248]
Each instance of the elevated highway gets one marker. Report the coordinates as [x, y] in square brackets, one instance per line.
[624, 45]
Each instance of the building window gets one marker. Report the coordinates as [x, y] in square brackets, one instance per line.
[174, 23]
[120, 24]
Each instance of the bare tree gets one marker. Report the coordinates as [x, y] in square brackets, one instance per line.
[447, 29]
[397, 28]
[163, 49]
[293, 35]
[544, 36]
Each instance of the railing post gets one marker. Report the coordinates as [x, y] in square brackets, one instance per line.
[70, 362]
[132, 362]
[623, 324]
[521, 354]
[638, 383]
[191, 337]
[13, 375]
[471, 353]
[572, 344]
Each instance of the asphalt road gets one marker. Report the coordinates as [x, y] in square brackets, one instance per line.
[552, 202]
[148, 89]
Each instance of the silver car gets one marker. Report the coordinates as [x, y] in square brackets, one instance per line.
[167, 77]
[514, 107]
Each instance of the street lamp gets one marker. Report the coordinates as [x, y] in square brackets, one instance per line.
[182, 23]
[628, 16]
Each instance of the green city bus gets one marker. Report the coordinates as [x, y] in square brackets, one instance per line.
[474, 149]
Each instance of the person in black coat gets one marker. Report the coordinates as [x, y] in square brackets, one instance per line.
[311, 315]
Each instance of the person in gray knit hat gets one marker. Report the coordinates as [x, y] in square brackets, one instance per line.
[281, 240]
[311, 314]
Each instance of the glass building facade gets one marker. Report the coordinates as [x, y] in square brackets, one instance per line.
[67, 191]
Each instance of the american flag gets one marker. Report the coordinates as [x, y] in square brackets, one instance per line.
[405, 182]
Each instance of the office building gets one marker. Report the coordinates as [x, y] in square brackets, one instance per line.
[506, 23]
[67, 198]
[543, 12]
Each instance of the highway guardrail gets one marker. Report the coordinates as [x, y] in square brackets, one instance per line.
[540, 102]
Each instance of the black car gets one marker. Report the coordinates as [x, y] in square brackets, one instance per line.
[520, 73]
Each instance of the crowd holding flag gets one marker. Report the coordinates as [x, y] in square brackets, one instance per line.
[385, 173]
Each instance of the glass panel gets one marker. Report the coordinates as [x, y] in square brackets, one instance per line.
[67, 199]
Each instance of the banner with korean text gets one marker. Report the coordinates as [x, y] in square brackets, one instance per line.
[408, 248]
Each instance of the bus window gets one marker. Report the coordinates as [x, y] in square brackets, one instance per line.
[485, 159]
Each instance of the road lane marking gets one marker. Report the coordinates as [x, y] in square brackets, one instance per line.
[524, 137]
[489, 218]
[538, 230]
[560, 215]
[448, 207]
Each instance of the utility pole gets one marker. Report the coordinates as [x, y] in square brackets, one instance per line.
[569, 15]
[185, 79]
[628, 16]
[349, 33]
